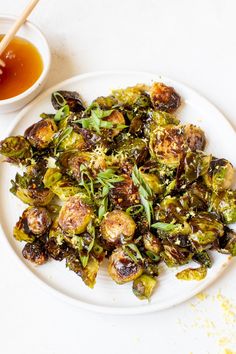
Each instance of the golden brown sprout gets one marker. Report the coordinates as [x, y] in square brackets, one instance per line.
[75, 215]
[194, 137]
[164, 98]
[41, 134]
[152, 243]
[38, 220]
[35, 252]
[122, 268]
[124, 194]
[117, 226]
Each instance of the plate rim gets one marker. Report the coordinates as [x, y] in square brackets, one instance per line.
[117, 310]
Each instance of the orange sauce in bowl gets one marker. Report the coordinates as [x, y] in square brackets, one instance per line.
[23, 67]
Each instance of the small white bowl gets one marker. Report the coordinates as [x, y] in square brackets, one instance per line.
[33, 35]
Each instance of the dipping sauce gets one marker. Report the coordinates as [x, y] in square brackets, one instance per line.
[23, 67]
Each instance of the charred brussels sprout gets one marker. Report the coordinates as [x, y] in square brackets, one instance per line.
[220, 175]
[135, 150]
[124, 194]
[117, 227]
[195, 165]
[174, 255]
[122, 268]
[167, 144]
[40, 135]
[70, 98]
[224, 204]
[170, 210]
[75, 215]
[164, 98]
[143, 287]
[34, 222]
[57, 251]
[205, 230]
[118, 121]
[131, 95]
[203, 258]
[194, 137]
[16, 148]
[153, 181]
[38, 220]
[30, 190]
[227, 243]
[192, 274]
[89, 273]
[35, 252]
[196, 198]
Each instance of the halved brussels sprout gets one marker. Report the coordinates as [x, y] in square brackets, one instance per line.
[16, 148]
[124, 194]
[205, 230]
[224, 204]
[196, 198]
[134, 150]
[192, 274]
[167, 144]
[122, 268]
[131, 95]
[170, 210]
[105, 102]
[194, 137]
[117, 227]
[203, 258]
[220, 175]
[29, 192]
[161, 119]
[143, 286]
[118, 120]
[57, 251]
[174, 255]
[59, 184]
[75, 215]
[40, 135]
[195, 164]
[89, 273]
[153, 181]
[35, 252]
[70, 98]
[227, 243]
[71, 141]
[164, 98]
[152, 243]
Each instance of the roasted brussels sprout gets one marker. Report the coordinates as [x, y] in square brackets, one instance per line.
[16, 148]
[131, 96]
[105, 102]
[118, 120]
[72, 141]
[89, 273]
[174, 255]
[227, 243]
[161, 119]
[122, 268]
[143, 286]
[152, 243]
[135, 150]
[203, 258]
[59, 184]
[57, 251]
[194, 137]
[117, 227]
[195, 165]
[192, 274]
[124, 194]
[170, 210]
[167, 144]
[224, 204]
[153, 181]
[35, 252]
[40, 135]
[70, 98]
[164, 98]
[220, 175]
[205, 230]
[75, 215]
[196, 198]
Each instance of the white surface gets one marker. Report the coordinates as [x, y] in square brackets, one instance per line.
[190, 41]
[108, 297]
[34, 35]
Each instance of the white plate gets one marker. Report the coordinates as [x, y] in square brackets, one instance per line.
[107, 297]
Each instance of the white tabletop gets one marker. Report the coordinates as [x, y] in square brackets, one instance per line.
[190, 41]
